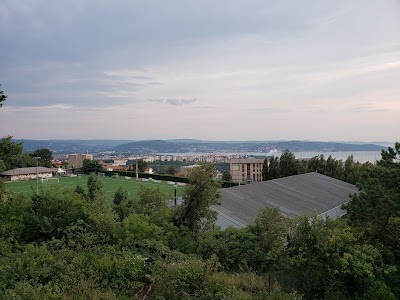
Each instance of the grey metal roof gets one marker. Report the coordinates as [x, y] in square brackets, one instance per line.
[293, 195]
[26, 171]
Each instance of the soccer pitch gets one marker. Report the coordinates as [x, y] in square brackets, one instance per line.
[110, 186]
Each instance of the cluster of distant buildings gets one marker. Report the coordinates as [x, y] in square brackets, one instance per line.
[211, 158]
[241, 169]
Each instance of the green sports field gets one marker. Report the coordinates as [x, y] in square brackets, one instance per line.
[110, 185]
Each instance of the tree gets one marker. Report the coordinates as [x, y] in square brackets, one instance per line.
[288, 164]
[8, 148]
[390, 157]
[95, 188]
[123, 204]
[349, 174]
[376, 208]
[80, 191]
[327, 259]
[3, 97]
[170, 170]
[11, 154]
[142, 165]
[334, 168]
[265, 170]
[46, 156]
[120, 195]
[271, 170]
[2, 166]
[317, 164]
[53, 211]
[237, 249]
[151, 200]
[226, 176]
[195, 212]
[272, 228]
[91, 166]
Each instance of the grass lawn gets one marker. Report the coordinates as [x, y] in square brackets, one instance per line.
[110, 186]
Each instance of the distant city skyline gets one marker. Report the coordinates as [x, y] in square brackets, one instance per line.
[209, 70]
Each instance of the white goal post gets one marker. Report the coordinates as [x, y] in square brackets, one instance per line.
[101, 174]
[49, 179]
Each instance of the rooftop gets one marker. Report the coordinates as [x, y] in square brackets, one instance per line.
[26, 171]
[293, 195]
[247, 160]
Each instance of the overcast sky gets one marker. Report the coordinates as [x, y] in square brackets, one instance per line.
[214, 70]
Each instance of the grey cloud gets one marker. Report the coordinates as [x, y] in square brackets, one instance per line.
[71, 84]
[365, 108]
[272, 110]
[174, 102]
[58, 52]
[72, 31]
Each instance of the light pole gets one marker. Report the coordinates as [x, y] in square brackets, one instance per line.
[37, 174]
[240, 171]
[137, 169]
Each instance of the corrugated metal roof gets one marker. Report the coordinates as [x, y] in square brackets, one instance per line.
[26, 171]
[293, 195]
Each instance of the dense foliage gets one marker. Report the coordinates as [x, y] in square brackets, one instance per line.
[46, 156]
[287, 165]
[71, 244]
[12, 156]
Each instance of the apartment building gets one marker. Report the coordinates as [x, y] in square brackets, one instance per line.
[76, 160]
[246, 169]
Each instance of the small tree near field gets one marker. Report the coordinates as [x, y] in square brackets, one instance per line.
[195, 212]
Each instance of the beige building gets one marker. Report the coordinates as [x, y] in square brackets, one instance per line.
[76, 160]
[27, 173]
[246, 169]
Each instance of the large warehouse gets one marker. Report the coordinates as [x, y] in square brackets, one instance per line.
[293, 195]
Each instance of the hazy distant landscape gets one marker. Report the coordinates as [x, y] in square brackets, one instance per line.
[194, 146]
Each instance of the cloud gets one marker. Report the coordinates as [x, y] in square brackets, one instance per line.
[249, 62]
[174, 102]
[57, 107]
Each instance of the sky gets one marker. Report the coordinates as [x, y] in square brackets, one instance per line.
[211, 70]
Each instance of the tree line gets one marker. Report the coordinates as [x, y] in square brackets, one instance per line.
[12, 155]
[287, 165]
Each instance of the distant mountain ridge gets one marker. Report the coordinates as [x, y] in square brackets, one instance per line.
[162, 146]
[191, 145]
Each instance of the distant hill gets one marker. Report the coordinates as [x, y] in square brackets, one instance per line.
[176, 146]
[72, 146]
[191, 145]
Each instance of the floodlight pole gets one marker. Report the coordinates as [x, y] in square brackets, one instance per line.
[37, 174]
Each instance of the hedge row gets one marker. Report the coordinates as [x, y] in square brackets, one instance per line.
[224, 184]
[146, 175]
